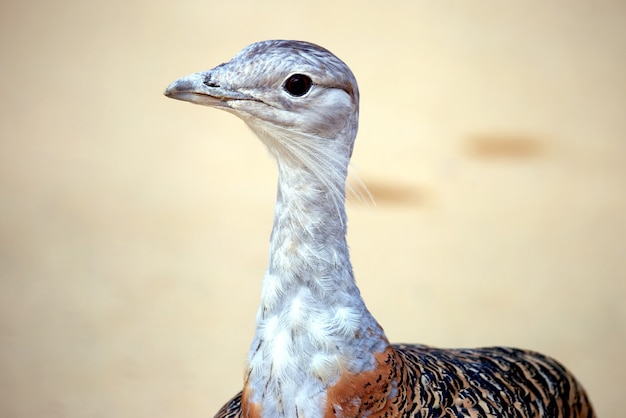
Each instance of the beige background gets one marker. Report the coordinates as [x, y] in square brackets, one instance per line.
[134, 229]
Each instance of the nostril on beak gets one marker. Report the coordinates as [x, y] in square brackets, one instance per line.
[210, 83]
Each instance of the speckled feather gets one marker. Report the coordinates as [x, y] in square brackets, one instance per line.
[317, 351]
[481, 382]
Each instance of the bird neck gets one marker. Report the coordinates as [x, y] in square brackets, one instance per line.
[312, 324]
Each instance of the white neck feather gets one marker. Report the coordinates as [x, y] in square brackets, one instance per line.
[312, 323]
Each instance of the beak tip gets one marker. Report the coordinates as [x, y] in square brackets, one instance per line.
[179, 89]
[170, 90]
[184, 87]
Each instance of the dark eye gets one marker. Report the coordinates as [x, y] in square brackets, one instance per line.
[298, 84]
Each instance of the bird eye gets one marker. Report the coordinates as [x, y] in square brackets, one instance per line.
[298, 84]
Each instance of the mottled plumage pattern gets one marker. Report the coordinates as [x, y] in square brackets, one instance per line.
[482, 382]
[494, 381]
[317, 351]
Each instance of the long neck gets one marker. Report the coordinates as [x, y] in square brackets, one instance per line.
[312, 323]
[309, 256]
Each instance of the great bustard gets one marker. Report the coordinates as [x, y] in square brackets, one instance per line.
[317, 350]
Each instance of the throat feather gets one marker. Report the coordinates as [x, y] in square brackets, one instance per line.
[312, 325]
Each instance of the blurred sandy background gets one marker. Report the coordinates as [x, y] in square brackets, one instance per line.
[134, 229]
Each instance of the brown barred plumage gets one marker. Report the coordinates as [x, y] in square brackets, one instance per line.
[317, 350]
[482, 382]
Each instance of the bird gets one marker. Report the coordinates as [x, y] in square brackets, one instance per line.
[317, 350]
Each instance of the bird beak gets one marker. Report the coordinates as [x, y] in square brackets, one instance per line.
[196, 88]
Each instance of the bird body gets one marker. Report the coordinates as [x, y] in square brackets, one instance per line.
[317, 350]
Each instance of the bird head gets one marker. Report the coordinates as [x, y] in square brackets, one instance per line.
[299, 98]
